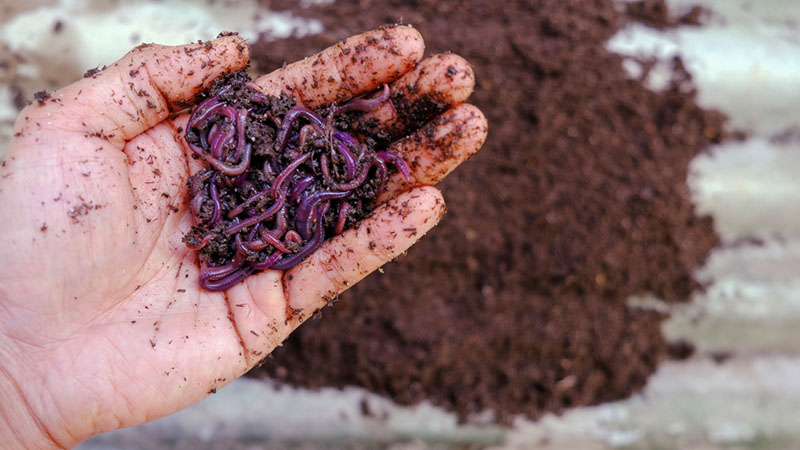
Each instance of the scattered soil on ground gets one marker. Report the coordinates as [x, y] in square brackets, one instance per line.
[517, 300]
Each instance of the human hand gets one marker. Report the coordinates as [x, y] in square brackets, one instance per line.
[102, 323]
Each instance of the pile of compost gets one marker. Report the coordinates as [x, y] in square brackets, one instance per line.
[516, 302]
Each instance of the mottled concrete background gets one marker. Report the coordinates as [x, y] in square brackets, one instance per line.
[740, 390]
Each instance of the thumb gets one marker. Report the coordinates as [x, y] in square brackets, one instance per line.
[141, 89]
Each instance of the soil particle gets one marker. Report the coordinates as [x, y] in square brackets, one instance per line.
[76, 212]
[92, 72]
[656, 14]
[517, 301]
[41, 97]
[410, 112]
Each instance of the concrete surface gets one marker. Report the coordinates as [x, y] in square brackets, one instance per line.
[741, 389]
[46, 44]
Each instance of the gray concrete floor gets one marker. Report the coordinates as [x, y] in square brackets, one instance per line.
[745, 62]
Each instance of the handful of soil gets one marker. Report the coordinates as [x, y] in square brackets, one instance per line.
[281, 178]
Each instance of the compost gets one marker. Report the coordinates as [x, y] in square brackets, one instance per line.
[517, 301]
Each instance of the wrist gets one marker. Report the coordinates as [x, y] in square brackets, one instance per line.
[19, 427]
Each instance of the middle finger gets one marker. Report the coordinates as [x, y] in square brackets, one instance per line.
[352, 67]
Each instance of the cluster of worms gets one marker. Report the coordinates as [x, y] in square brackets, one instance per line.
[280, 179]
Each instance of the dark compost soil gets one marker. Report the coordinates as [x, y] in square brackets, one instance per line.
[517, 301]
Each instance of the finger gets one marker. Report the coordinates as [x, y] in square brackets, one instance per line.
[141, 89]
[347, 258]
[354, 66]
[437, 148]
[432, 87]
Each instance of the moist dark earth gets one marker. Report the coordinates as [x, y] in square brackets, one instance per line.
[516, 302]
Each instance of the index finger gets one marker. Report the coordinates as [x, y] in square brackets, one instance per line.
[354, 66]
[140, 90]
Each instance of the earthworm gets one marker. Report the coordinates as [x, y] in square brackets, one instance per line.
[314, 243]
[305, 210]
[399, 162]
[365, 104]
[301, 186]
[342, 218]
[214, 194]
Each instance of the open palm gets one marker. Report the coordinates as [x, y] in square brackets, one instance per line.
[102, 323]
